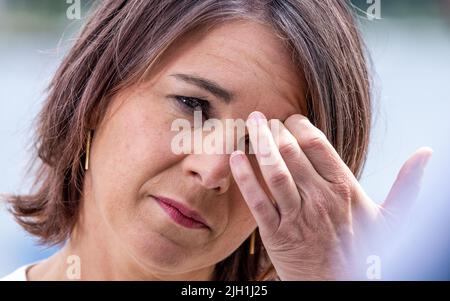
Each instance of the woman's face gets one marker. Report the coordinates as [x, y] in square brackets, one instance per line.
[132, 161]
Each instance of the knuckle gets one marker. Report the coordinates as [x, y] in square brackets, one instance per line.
[344, 190]
[315, 143]
[278, 178]
[288, 150]
[243, 177]
[259, 206]
[321, 209]
[335, 175]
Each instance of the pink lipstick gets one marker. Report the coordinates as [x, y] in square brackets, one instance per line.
[181, 214]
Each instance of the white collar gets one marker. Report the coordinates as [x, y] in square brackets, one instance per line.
[19, 274]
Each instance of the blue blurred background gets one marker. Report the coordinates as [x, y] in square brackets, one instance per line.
[410, 48]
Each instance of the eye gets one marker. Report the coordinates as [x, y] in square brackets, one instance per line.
[193, 104]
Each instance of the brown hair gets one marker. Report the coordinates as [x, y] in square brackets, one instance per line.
[123, 40]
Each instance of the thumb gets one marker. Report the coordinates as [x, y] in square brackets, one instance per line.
[407, 185]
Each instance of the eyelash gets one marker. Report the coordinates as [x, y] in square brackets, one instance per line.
[187, 102]
[202, 103]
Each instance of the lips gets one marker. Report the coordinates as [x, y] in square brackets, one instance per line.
[181, 214]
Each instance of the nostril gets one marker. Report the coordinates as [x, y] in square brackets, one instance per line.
[208, 182]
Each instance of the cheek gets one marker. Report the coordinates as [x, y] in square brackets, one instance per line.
[130, 148]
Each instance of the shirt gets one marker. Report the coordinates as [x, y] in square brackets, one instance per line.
[19, 274]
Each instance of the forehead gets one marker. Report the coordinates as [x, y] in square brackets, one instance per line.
[246, 58]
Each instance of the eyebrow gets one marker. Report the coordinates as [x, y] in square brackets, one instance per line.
[206, 84]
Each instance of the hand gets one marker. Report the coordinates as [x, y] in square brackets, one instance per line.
[317, 215]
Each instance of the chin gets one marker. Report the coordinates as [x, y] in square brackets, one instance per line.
[155, 241]
[156, 250]
[156, 253]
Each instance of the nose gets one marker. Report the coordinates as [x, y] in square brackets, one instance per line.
[211, 170]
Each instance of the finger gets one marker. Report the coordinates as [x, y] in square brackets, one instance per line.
[318, 149]
[273, 168]
[407, 185]
[262, 208]
[296, 161]
[309, 182]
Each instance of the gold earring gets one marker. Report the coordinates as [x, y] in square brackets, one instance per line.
[252, 243]
[88, 149]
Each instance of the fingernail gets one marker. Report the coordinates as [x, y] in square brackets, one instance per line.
[257, 118]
